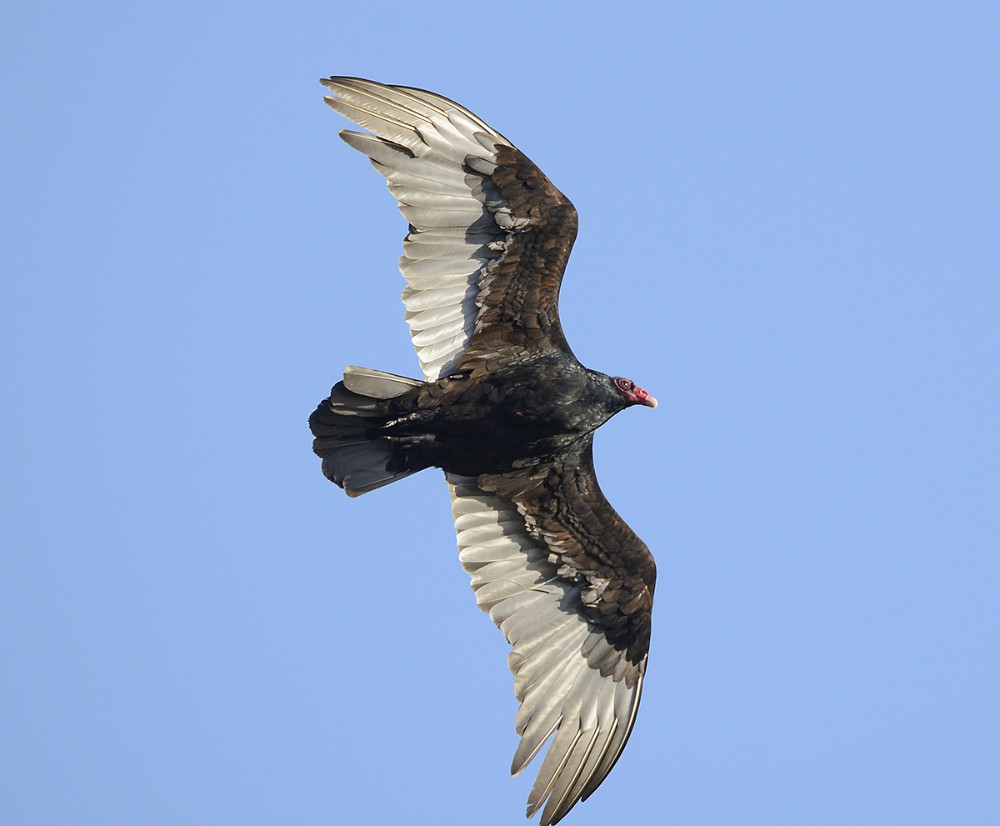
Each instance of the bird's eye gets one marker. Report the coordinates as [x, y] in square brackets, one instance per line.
[625, 384]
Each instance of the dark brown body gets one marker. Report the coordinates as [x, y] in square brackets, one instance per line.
[513, 417]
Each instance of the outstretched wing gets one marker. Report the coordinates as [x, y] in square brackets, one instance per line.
[489, 234]
[571, 586]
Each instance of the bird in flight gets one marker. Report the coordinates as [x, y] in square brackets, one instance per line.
[509, 414]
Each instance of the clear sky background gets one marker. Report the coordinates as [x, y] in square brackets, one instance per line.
[789, 234]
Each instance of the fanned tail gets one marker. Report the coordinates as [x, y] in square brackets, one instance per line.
[347, 426]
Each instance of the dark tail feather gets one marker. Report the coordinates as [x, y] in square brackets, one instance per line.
[355, 456]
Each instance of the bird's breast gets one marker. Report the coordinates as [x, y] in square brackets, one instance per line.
[494, 423]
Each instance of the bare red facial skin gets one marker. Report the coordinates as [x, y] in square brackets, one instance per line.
[642, 397]
[633, 393]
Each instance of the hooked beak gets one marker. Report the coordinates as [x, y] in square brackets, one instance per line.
[640, 396]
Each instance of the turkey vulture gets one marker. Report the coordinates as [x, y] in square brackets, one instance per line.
[509, 414]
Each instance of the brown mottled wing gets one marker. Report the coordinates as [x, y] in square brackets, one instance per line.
[489, 235]
[571, 586]
[518, 296]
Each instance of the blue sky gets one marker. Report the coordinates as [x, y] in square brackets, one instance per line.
[789, 217]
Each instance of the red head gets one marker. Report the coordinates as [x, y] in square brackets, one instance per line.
[632, 393]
